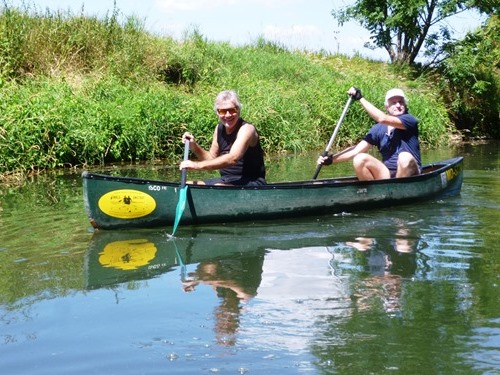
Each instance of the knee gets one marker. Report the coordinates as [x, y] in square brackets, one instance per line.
[406, 160]
[360, 160]
[407, 165]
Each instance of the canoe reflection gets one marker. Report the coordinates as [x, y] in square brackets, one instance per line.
[115, 257]
[127, 255]
[224, 262]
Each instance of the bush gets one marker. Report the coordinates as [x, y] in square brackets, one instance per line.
[77, 90]
[471, 85]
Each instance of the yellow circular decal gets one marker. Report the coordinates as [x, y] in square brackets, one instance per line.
[127, 255]
[127, 204]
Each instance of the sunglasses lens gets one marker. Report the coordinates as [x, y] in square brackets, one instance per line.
[223, 111]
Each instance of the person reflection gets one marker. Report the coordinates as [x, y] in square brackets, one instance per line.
[235, 282]
[388, 263]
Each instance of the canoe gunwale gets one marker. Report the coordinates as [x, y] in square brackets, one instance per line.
[428, 171]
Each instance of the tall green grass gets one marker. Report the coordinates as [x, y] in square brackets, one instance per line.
[77, 90]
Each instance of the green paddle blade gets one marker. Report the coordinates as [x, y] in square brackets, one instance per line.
[181, 205]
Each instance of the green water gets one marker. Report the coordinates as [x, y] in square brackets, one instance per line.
[407, 290]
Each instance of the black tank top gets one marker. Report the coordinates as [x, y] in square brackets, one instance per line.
[250, 166]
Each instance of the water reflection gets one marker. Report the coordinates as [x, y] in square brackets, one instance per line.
[235, 282]
[115, 257]
[385, 261]
[386, 265]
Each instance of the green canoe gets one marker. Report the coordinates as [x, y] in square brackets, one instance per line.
[124, 202]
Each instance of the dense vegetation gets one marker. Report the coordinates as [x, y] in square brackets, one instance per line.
[471, 84]
[78, 90]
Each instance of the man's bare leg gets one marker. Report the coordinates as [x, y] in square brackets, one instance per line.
[369, 168]
[407, 165]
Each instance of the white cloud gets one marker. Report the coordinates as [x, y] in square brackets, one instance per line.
[172, 6]
[291, 32]
[192, 5]
[295, 36]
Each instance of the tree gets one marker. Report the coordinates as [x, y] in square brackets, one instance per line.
[403, 27]
[471, 80]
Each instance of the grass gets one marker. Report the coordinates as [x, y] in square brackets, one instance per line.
[77, 90]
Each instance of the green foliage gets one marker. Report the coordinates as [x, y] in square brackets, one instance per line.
[473, 80]
[404, 28]
[48, 124]
[78, 90]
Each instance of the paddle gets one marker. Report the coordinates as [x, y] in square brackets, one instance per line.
[181, 263]
[332, 139]
[181, 204]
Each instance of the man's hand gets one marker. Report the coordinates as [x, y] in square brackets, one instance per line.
[355, 93]
[325, 160]
[358, 94]
[189, 165]
[188, 137]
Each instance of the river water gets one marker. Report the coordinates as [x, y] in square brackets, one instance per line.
[407, 290]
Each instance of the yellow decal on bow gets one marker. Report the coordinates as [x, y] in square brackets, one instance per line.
[127, 204]
[453, 172]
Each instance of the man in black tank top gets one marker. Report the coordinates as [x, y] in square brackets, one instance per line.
[235, 149]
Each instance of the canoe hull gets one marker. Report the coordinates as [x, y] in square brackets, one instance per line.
[121, 202]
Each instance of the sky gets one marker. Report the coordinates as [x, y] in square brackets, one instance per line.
[297, 24]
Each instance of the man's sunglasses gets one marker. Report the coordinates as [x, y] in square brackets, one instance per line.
[223, 111]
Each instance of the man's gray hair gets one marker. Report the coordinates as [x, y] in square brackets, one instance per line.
[227, 95]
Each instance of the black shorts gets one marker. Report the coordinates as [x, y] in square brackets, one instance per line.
[393, 172]
[241, 182]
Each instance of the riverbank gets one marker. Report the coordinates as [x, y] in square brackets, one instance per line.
[83, 91]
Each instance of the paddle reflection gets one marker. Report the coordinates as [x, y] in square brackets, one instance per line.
[235, 281]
